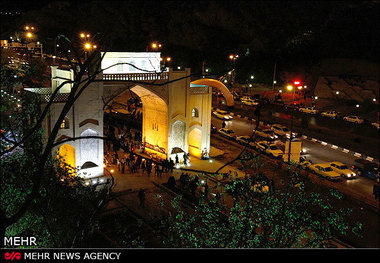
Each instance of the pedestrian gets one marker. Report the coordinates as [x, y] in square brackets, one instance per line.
[205, 191]
[171, 166]
[123, 166]
[176, 159]
[141, 195]
[271, 185]
[184, 159]
[143, 165]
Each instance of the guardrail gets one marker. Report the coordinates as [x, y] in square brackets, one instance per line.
[137, 76]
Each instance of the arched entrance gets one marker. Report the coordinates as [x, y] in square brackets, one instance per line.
[89, 148]
[195, 142]
[67, 155]
[155, 121]
[178, 134]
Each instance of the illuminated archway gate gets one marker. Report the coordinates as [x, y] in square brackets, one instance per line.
[175, 111]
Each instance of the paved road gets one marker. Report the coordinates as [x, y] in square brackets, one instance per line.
[316, 152]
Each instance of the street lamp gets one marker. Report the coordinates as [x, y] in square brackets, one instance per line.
[87, 46]
[291, 88]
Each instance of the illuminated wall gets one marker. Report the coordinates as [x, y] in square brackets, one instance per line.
[67, 153]
[155, 118]
[195, 142]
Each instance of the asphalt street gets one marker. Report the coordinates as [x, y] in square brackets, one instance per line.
[315, 152]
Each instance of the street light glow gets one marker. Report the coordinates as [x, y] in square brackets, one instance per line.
[87, 46]
[289, 87]
[29, 35]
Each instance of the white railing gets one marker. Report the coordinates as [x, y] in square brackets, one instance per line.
[137, 76]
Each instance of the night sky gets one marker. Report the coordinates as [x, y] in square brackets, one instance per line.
[291, 33]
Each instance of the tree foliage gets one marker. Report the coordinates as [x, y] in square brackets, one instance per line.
[288, 217]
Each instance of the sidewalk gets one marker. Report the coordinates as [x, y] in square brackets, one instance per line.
[131, 182]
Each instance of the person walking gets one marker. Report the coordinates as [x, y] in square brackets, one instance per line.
[123, 166]
[141, 196]
[171, 165]
[176, 159]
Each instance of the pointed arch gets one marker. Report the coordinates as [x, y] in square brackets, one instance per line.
[218, 85]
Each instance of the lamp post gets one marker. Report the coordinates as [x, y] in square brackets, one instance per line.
[293, 89]
[233, 58]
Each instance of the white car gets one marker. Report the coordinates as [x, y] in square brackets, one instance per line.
[245, 140]
[308, 110]
[282, 131]
[270, 149]
[375, 124]
[267, 134]
[227, 133]
[353, 118]
[343, 170]
[330, 114]
[250, 102]
[220, 115]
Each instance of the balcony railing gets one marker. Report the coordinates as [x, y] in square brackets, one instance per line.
[137, 76]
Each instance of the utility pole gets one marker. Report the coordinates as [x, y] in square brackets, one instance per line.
[203, 68]
[274, 75]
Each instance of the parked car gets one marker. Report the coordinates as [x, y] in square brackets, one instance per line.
[343, 170]
[282, 131]
[353, 118]
[375, 124]
[366, 168]
[326, 171]
[330, 114]
[245, 141]
[304, 163]
[310, 110]
[222, 115]
[227, 133]
[269, 148]
[267, 134]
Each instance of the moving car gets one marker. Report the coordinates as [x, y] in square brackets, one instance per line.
[250, 102]
[310, 110]
[222, 114]
[267, 134]
[366, 168]
[353, 118]
[245, 140]
[227, 133]
[325, 170]
[343, 170]
[270, 149]
[282, 131]
[330, 114]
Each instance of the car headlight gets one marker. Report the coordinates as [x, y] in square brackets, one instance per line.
[348, 175]
[354, 174]
[230, 117]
